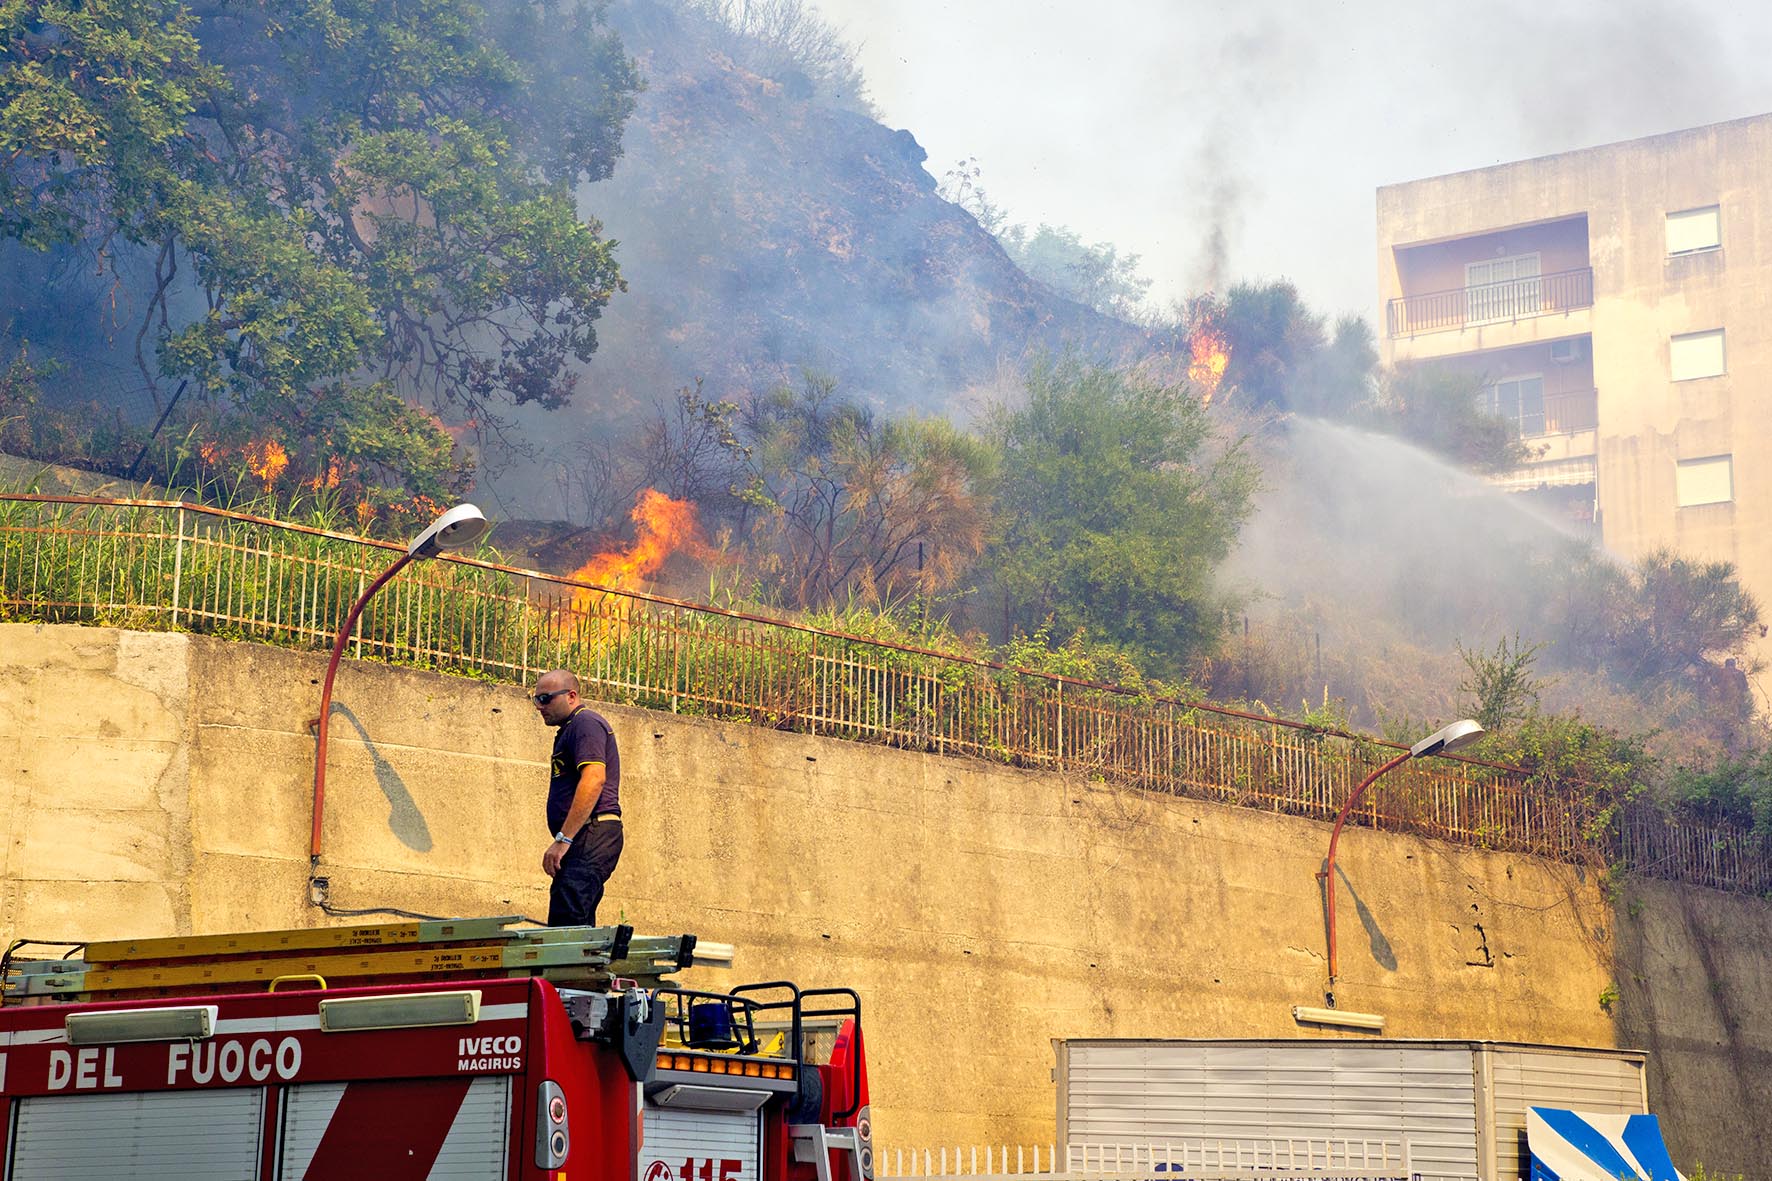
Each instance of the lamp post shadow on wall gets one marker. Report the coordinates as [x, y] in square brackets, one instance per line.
[1442, 741]
[460, 526]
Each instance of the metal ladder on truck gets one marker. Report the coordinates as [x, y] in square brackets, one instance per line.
[573, 957]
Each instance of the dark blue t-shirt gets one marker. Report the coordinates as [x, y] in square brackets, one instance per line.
[585, 738]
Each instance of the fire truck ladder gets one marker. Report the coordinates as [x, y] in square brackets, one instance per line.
[580, 957]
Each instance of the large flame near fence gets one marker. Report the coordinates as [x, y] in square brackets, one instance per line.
[1211, 354]
[662, 527]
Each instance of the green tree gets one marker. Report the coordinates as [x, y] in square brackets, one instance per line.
[1283, 355]
[1681, 616]
[393, 448]
[846, 505]
[1440, 409]
[1577, 590]
[1280, 354]
[1117, 502]
[326, 191]
[1097, 275]
[1736, 788]
[1500, 688]
[1344, 378]
[1273, 341]
[1603, 767]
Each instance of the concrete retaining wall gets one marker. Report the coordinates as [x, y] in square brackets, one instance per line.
[161, 784]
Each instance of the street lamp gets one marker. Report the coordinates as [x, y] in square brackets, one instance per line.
[1443, 741]
[460, 526]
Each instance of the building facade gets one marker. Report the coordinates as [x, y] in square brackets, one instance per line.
[1616, 303]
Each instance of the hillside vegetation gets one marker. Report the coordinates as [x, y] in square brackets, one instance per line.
[366, 257]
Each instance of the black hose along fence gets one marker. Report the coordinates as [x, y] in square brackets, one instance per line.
[170, 565]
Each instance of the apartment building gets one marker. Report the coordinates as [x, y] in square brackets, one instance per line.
[1616, 303]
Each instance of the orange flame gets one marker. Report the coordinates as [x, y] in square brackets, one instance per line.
[266, 460]
[662, 526]
[326, 479]
[1211, 355]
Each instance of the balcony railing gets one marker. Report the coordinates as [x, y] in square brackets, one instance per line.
[1491, 303]
[1571, 411]
[1564, 414]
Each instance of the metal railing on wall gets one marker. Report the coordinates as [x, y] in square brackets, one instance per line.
[163, 564]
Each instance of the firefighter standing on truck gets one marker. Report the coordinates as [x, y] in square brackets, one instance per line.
[584, 802]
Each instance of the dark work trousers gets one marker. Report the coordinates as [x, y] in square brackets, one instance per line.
[578, 884]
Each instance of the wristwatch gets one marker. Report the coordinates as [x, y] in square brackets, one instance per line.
[562, 838]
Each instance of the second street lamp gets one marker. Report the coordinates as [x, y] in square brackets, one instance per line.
[1442, 741]
[460, 526]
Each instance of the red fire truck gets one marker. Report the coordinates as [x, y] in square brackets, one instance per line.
[463, 1049]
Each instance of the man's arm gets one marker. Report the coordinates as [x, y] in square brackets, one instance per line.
[584, 802]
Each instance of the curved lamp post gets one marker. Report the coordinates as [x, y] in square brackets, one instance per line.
[1440, 742]
[460, 526]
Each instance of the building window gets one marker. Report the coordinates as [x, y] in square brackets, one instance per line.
[1704, 481]
[1501, 288]
[1696, 354]
[1692, 230]
[1520, 401]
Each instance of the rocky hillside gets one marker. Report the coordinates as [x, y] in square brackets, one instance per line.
[764, 230]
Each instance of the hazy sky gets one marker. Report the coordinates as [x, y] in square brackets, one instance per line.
[1148, 124]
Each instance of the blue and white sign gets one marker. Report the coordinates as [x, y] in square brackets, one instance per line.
[1574, 1146]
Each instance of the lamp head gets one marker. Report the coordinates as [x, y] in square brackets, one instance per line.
[460, 526]
[1448, 739]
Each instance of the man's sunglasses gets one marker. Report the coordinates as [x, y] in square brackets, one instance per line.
[544, 698]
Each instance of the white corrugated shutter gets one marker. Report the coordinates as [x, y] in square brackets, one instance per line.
[307, 1110]
[1710, 480]
[474, 1149]
[1694, 229]
[1156, 1092]
[140, 1136]
[1527, 1077]
[699, 1145]
[475, 1146]
[1696, 354]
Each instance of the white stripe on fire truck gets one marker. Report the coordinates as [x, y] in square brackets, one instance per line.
[295, 1022]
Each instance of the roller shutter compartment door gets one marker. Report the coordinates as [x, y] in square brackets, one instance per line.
[1531, 1077]
[1164, 1092]
[434, 1129]
[140, 1136]
[684, 1144]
